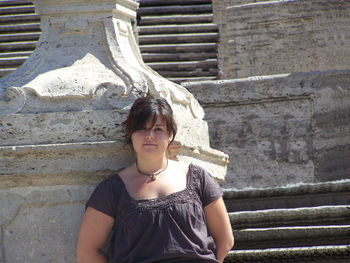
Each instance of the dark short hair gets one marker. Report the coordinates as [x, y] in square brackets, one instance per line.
[149, 108]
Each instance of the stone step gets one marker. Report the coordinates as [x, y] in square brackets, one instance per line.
[15, 54]
[15, 18]
[144, 3]
[191, 79]
[177, 9]
[189, 73]
[20, 27]
[13, 61]
[168, 57]
[5, 71]
[175, 19]
[22, 46]
[315, 254]
[305, 195]
[276, 237]
[179, 38]
[14, 3]
[195, 47]
[303, 216]
[171, 29]
[185, 65]
[22, 9]
[14, 37]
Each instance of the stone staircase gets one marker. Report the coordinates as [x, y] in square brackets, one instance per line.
[177, 37]
[19, 33]
[306, 223]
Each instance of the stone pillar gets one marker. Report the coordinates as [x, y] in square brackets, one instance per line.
[60, 116]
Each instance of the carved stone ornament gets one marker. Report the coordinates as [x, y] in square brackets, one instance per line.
[87, 48]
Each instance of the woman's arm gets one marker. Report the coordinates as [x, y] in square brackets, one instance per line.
[219, 226]
[94, 232]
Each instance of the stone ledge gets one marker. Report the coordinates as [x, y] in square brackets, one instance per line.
[86, 159]
[63, 158]
[59, 126]
[42, 180]
[291, 236]
[303, 195]
[304, 216]
[316, 254]
[312, 188]
[258, 88]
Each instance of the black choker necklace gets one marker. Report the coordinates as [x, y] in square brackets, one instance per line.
[153, 176]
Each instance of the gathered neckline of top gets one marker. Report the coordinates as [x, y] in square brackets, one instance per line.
[160, 198]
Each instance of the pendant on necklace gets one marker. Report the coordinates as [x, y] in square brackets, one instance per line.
[152, 176]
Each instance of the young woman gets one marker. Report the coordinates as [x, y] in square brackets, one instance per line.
[158, 210]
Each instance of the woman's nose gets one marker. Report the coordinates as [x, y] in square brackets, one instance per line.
[149, 133]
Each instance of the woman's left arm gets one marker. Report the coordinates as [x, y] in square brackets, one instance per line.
[219, 226]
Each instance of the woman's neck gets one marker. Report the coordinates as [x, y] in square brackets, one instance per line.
[150, 166]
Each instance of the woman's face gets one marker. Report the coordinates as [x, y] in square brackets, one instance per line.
[151, 140]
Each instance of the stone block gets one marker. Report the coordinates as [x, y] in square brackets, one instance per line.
[267, 142]
[277, 37]
[281, 129]
[41, 224]
[60, 127]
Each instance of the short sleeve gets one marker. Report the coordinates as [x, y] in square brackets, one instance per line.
[103, 198]
[210, 189]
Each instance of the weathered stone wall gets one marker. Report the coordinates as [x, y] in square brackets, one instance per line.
[276, 37]
[219, 13]
[41, 223]
[220, 18]
[282, 129]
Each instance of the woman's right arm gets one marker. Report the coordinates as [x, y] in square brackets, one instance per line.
[94, 231]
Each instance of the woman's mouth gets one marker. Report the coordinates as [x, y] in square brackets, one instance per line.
[149, 144]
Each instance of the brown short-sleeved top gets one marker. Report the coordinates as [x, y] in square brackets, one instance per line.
[165, 229]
